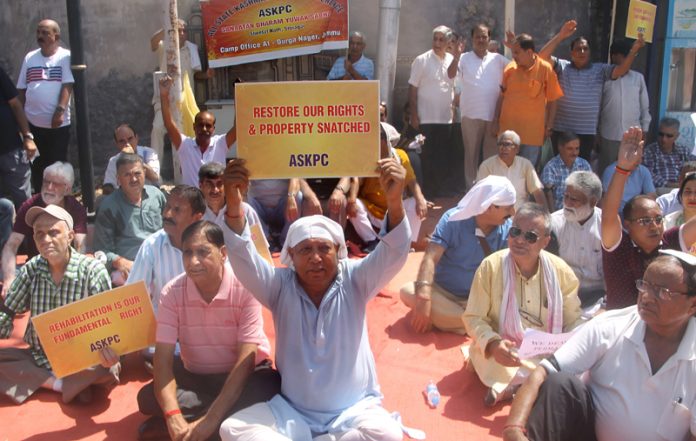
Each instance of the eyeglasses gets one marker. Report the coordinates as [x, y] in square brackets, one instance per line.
[645, 221]
[665, 135]
[529, 236]
[507, 144]
[658, 291]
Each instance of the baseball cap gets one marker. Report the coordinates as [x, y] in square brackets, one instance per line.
[53, 210]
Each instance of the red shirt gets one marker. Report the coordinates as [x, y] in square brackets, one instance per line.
[626, 263]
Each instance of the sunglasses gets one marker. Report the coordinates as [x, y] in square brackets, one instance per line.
[645, 221]
[530, 236]
[665, 135]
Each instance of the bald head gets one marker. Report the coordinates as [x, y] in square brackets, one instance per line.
[47, 36]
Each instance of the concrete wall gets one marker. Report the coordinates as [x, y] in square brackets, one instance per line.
[117, 33]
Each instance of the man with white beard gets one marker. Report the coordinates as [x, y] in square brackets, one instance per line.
[576, 231]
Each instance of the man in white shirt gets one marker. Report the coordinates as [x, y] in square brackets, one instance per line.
[480, 74]
[576, 231]
[625, 104]
[45, 85]
[126, 141]
[430, 95]
[205, 147]
[641, 366]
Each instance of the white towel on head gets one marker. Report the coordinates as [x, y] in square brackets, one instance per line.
[313, 227]
[491, 190]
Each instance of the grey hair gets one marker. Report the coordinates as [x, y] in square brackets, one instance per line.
[444, 30]
[531, 210]
[128, 158]
[359, 35]
[512, 135]
[669, 122]
[63, 169]
[587, 182]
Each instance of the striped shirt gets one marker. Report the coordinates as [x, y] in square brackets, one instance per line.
[157, 263]
[555, 174]
[34, 290]
[665, 167]
[578, 109]
[364, 66]
[210, 333]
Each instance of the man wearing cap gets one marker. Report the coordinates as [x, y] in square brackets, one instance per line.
[329, 388]
[652, 394]
[464, 236]
[514, 289]
[59, 275]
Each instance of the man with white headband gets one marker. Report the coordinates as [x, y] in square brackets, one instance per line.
[464, 236]
[329, 388]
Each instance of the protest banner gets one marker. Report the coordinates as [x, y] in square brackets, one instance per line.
[641, 20]
[246, 31]
[308, 129]
[72, 335]
[537, 343]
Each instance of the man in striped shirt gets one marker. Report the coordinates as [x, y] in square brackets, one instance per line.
[582, 82]
[59, 275]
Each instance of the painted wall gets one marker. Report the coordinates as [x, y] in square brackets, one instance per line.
[117, 33]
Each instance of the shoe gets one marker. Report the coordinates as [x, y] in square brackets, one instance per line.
[492, 398]
[154, 428]
[370, 246]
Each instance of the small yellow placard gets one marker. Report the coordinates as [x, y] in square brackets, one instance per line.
[308, 129]
[641, 20]
[260, 242]
[72, 335]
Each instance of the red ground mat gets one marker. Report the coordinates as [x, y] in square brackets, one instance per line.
[405, 363]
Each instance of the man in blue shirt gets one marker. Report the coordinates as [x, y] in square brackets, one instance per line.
[329, 386]
[355, 66]
[464, 236]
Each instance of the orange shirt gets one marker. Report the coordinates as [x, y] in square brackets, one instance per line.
[371, 192]
[525, 94]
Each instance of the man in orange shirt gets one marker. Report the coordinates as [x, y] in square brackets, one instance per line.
[527, 103]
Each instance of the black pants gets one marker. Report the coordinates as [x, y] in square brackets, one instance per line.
[53, 146]
[587, 144]
[196, 392]
[437, 157]
[563, 411]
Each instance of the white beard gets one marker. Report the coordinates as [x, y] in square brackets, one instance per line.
[577, 214]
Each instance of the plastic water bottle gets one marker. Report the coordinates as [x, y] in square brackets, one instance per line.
[432, 394]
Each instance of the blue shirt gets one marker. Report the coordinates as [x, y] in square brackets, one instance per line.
[639, 182]
[364, 66]
[322, 353]
[463, 253]
[578, 108]
[555, 174]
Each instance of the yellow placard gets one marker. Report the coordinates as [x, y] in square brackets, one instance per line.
[260, 242]
[72, 335]
[308, 129]
[641, 20]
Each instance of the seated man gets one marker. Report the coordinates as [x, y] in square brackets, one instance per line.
[205, 147]
[522, 287]
[159, 257]
[576, 232]
[330, 388]
[463, 237]
[126, 141]
[516, 168]
[224, 364]
[625, 256]
[127, 217]
[354, 66]
[56, 189]
[653, 395]
[7, 213]
[326, 196]
[210, 181]
[277, 202]
[59, 275]
[638, 182]
[367, 204]
[664, 158]
[557, 170]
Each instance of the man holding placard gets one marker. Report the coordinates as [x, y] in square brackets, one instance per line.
[59, 275]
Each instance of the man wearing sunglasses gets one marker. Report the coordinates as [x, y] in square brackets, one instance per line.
[664, 158]
[654, 395]
[514, 289]
[625, 256]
